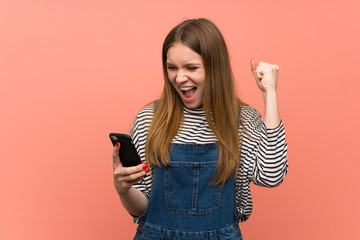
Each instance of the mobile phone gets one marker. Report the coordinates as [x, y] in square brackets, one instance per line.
[128, 154]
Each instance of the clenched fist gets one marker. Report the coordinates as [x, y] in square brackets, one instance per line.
[266, 75]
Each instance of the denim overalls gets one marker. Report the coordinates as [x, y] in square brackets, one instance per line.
[183, 204]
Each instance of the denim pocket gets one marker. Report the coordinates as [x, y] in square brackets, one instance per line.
[189, 190]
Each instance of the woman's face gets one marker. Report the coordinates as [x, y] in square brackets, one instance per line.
[186, 73]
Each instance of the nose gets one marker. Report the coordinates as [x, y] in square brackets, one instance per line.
[181, 77]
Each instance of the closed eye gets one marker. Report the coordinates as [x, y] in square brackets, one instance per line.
[171, 68]
[192, 68]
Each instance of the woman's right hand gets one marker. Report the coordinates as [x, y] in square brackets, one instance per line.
[125, 177]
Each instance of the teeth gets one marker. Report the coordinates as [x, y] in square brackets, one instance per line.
[186, 88]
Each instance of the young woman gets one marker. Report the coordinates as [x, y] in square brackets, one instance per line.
[200, 145]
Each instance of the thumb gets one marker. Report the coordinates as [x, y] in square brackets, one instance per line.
[116, 156]
[256, 74]
[253, 64]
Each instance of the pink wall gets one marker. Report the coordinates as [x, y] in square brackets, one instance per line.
[72, 71]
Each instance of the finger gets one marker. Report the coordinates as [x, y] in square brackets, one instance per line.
[259, 75]
[130, 178]
[253, 64]
[126, 171]
[264, 69]
[116, 156]
[136, 181]
[254, 68]
[264, 64]
[123, 184]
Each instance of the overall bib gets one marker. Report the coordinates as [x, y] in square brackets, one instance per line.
[184, 205]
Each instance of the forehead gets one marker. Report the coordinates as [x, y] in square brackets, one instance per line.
[179, 53]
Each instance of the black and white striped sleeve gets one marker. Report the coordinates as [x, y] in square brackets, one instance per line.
[268, 164]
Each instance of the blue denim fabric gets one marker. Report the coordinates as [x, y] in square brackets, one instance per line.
[183, 203]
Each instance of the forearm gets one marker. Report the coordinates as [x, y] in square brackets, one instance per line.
[134, 202]
[271, 109]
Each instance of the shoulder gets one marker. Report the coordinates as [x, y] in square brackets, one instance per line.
[147, 111]
[249, 116]
[248, 113]
[143, 119]
[145, 115]
[251, 121]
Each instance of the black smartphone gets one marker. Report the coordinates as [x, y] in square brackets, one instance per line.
[128, 154]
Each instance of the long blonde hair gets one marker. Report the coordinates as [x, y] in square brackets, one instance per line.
[221, 105]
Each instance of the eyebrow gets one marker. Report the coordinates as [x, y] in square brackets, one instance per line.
[186, 65]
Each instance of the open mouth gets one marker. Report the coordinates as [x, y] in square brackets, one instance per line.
[188, 92]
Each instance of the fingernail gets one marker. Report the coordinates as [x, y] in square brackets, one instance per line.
[147, 170]
[144, 166]
[117, 144]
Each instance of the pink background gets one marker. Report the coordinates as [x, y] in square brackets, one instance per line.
[72, 71]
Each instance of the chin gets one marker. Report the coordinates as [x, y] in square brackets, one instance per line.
[193, 105]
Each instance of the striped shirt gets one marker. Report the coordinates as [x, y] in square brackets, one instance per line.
[263, 151]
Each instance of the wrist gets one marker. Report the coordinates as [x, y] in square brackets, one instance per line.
[269, 93]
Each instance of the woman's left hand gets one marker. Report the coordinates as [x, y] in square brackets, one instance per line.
[266, 75]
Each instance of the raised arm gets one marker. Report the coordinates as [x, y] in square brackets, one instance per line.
[266, 76]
